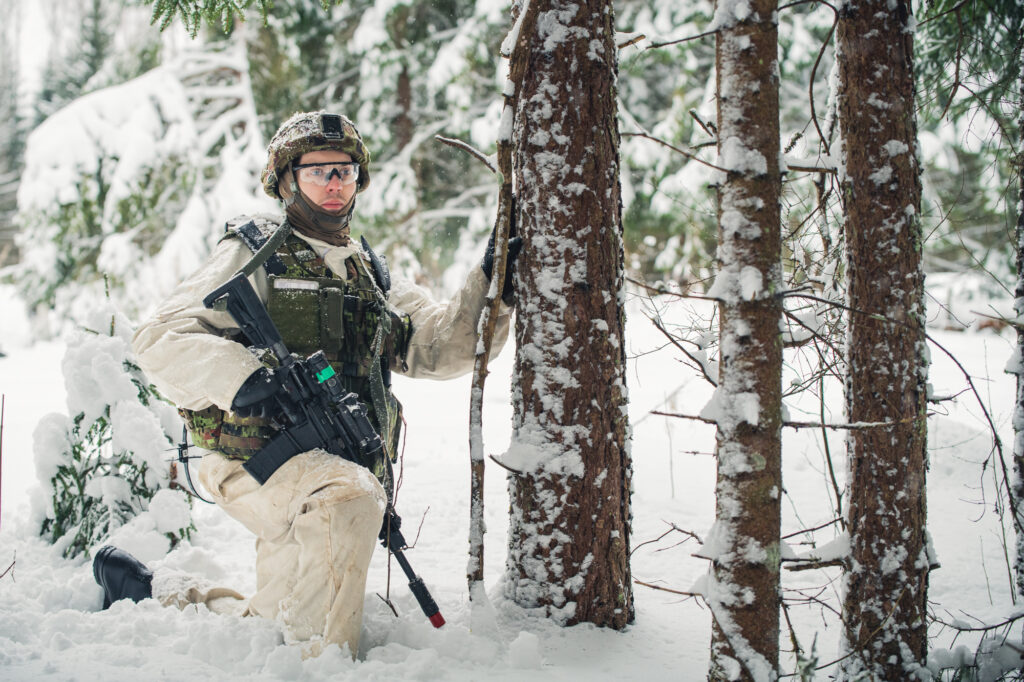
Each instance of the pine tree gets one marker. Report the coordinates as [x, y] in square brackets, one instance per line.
[12, 139]
[969, 61]
[104, 465]
[145, 196]
[743, 588]
[569, 527]
[884, 606]
[68, 70]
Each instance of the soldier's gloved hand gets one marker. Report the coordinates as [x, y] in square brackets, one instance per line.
[515, 245]
[255, 397]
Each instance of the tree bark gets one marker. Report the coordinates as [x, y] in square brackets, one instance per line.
[884, 606]
[569, 527]
[743, 590]
[1018, 369]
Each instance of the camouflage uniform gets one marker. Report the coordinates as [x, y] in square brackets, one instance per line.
[316, 310]
[316, 519]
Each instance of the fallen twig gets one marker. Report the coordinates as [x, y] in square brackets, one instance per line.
[10, 568]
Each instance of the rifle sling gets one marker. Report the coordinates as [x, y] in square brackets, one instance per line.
[267, 250]
[280, 449]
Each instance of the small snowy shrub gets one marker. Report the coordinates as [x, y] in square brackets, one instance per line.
[103, 466]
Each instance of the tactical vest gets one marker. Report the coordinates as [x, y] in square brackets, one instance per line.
[315, 309]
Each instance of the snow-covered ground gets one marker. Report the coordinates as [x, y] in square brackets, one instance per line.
[52, 628]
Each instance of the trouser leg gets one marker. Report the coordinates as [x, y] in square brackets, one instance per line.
[316, 522]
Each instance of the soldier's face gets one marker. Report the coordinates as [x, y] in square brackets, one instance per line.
[333, 197]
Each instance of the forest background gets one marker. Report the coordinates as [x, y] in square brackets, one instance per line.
[169, 159]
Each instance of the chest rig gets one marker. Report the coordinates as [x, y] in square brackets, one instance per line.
[346, 317]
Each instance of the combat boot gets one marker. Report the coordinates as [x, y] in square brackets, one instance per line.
[121, 576]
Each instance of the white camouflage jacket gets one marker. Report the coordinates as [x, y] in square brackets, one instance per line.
[182, 348]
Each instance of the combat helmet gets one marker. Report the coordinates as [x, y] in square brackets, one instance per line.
[308, 132]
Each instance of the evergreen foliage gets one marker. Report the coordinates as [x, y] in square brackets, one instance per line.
[66, 74]
[103, 467]
[98, 232]
[12, 141]
[969, 65]
[404, 73]
[984, 39]
[116, 180]
[219, 13]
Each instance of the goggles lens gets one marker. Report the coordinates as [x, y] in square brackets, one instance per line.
[321, 174]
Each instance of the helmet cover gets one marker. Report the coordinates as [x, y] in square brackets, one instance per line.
[313, 131]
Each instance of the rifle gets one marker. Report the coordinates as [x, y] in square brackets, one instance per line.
[316, 412]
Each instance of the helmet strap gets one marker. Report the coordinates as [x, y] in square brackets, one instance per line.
[289, 197]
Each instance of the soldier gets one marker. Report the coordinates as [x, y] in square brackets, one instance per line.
[317, 518]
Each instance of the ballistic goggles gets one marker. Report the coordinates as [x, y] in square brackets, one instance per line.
[321, 173]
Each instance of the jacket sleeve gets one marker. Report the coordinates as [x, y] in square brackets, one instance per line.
[444, 335]
[184, 349]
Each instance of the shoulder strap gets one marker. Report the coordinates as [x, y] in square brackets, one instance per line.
[380, 267]
[264, 247]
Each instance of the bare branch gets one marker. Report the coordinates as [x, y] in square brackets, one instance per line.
[666, 292]
[812, 564]
[687, 154]
[982, 628]
[703, 370]
[955, 8]
[469, 149]
[809, 530]
[811, 169]
[996, 440]
[707, 126]
[388, 602]
[11, 567]
[801, 425]
[632, 41]
[666, 589]
[674, 529]
[682, 40]
[814, 70]
[505, 466]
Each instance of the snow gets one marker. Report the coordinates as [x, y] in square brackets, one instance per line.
[51, 626]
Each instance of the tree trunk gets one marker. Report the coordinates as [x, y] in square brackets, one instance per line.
[884, 606]
[1018, 416]
[743, 545]
[569, 528]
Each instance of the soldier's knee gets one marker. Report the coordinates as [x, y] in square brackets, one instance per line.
[355, 487]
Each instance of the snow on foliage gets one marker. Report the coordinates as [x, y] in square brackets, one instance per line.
[108, 463]
[125, 190]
